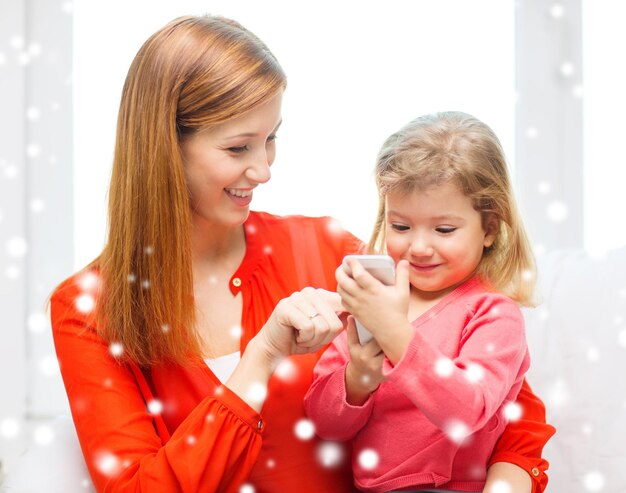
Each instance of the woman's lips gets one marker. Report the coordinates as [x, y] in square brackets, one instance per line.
[241, 198]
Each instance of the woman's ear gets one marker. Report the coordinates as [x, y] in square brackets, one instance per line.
[491, 227]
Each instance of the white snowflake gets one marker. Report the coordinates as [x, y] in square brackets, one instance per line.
[594, 481]
[330, 454]
[16, 246]
[33, 113]
[107, 463]
[12, 272]
[557, 395]
[444, 367]
[287, 371]
[33, 151]
[557, 211]
[88, 281]
[368, 459]
[567, 69]
[9, 427]
[474, 372]
[593, 354]
[457, 431]
[37, 205]
[43, 435]
[131, 278]
[34, 49]
[16, 42]
[557, 10]
[334, 227]
[235, 332]
[304, 429]
[271, 463]
[578, 91]
[165, 328]
[49, 366]
[267, 250]
[247, 488]
[191, 440]
[37, 322]
[145, 284]
[155, 406]
[68, 7]
[501, 486]
[85, 303]
[149, 250]
[532, 133]
[543, 187]
[257, 392]
[116, 349]
[512, 411]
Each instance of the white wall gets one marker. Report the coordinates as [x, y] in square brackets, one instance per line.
[357, 71]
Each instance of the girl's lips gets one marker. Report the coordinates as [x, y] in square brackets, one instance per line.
[424, 267]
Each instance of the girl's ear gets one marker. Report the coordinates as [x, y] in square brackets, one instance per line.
[492, 228]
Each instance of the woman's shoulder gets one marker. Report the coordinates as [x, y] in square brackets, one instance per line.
[269, 220]
[78, 293]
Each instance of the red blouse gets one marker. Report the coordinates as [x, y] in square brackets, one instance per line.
[175, 429]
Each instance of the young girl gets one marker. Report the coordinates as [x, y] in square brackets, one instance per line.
[425, 401]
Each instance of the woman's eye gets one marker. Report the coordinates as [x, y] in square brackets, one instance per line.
[238, 149]
[445, 229]
[399, 227]
[272, 138]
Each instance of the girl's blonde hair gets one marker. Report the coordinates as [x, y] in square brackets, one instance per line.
[193, 73]
[457, 147]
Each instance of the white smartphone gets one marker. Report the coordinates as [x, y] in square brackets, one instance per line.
[382, 268]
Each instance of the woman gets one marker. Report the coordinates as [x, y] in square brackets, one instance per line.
[184, 328]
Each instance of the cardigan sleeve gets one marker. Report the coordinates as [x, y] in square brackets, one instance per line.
[213, 449]
[523, 440]
[325, 402]
[473, 385]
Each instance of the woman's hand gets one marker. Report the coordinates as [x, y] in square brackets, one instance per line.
[364, 372]
[302, 323]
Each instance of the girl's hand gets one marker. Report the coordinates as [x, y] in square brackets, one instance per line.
[364, 372]
[302, 323]
[375, 305]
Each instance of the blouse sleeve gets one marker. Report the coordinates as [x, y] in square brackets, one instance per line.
[213, 449]
[326, 404]
[522, 441]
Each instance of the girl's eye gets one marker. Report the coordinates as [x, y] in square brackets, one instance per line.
[237, 150]
[272, 138]
[445, 229]
[399, 227]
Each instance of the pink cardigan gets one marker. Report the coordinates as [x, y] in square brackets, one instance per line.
[435, 420]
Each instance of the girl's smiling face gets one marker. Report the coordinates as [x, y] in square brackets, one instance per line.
[441, 235]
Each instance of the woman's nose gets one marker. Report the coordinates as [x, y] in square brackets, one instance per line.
[259, 169]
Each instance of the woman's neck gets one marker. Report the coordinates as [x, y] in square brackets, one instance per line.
[211, 244]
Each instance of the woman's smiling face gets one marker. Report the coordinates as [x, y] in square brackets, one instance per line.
[224, 163]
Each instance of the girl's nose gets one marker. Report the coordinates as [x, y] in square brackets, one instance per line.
[420, 246]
